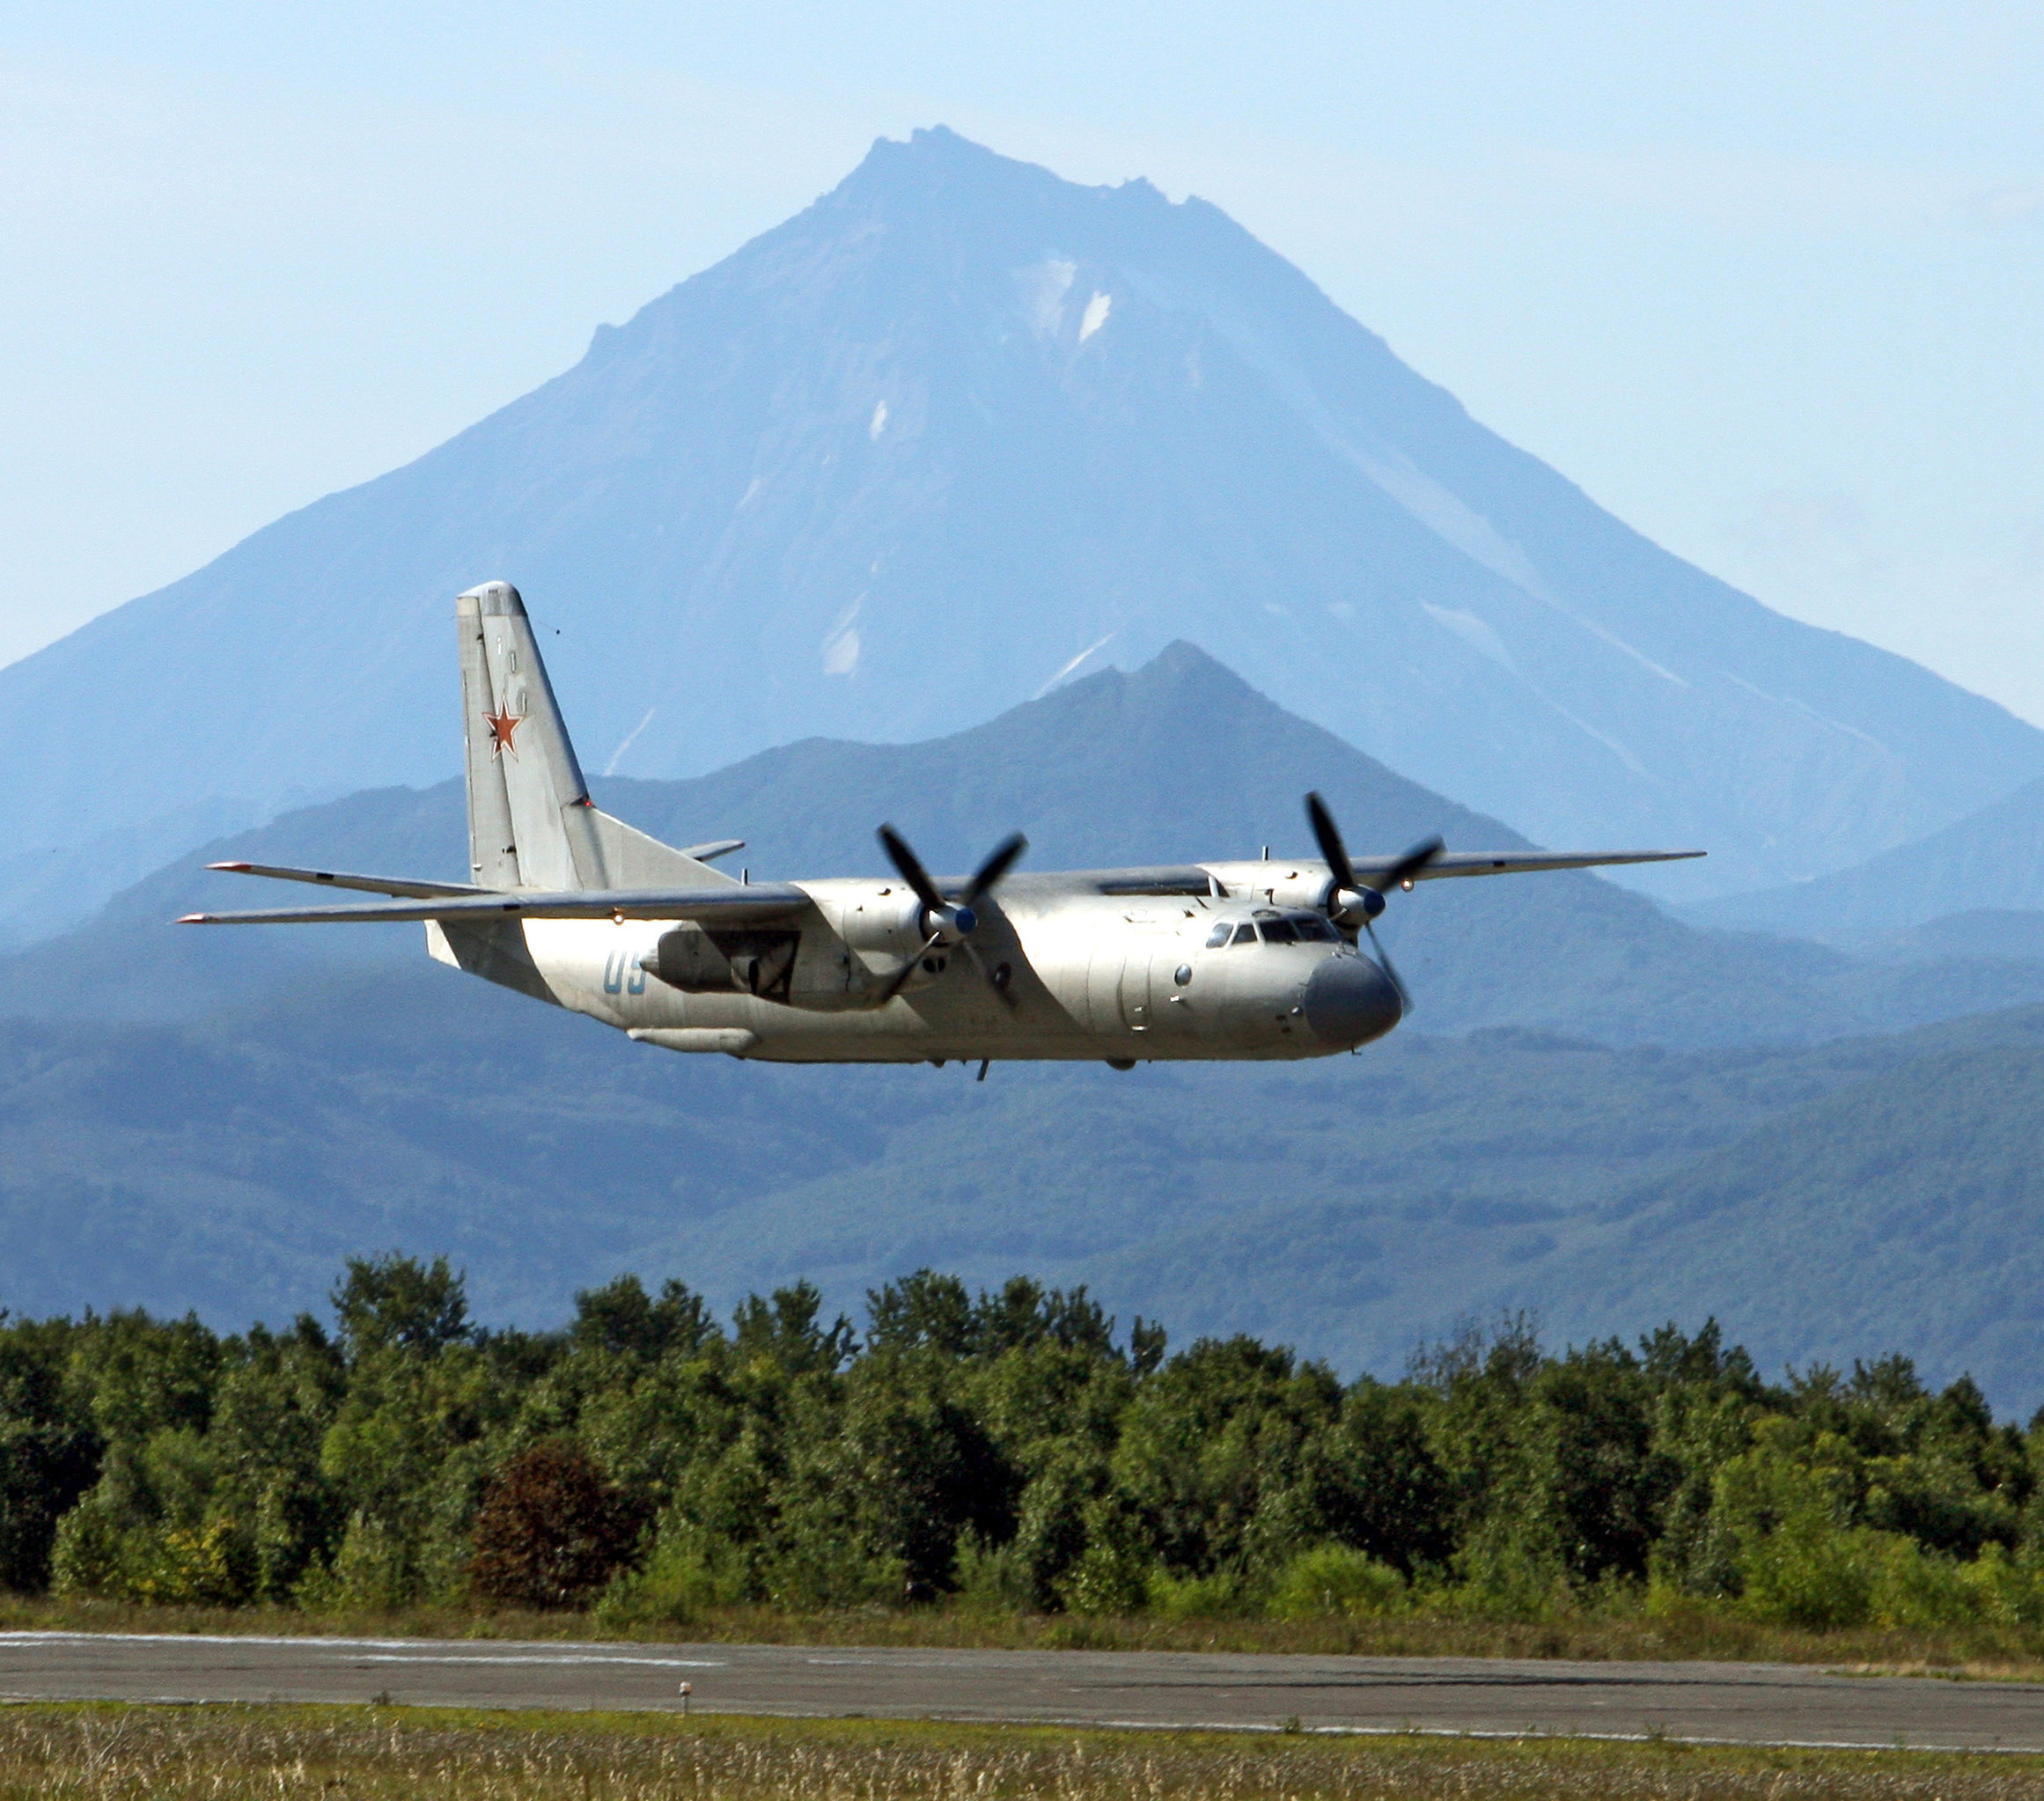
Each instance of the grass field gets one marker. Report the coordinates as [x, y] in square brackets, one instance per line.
[226, 1753]
[1987, 1651]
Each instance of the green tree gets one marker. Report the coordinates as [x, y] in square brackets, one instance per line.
[1215, 1455]
[50, 1446]
[395, 1300]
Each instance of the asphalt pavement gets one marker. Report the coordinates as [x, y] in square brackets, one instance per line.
[1746, 1703]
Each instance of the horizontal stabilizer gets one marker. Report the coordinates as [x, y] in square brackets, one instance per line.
[737, 904]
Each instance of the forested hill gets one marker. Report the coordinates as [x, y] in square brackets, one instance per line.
[1349, 1207]
[1013, 1446]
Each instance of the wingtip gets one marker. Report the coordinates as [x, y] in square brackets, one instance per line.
[190, 919]
[239, 869]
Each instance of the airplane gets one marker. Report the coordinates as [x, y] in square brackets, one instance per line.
[1220, 960]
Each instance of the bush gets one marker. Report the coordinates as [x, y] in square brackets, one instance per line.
[686, 1573]
[552, 1529]
[1810, 1572]
[1503, 1578]
[1336, 1582]
[1109, 1578]
[373, 1570]
[155, 1564]
[1222, 1596]
[2010, 1590]
[996, 1578]
[86, 1557]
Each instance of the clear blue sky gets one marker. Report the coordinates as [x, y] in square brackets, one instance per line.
[1767, 281]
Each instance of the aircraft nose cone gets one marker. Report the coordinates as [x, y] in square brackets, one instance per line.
[1350, 1001]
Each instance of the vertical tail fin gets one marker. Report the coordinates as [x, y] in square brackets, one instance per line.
[531, 824]
[524, 783]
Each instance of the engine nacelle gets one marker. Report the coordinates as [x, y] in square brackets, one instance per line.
[744, 961]
[1276, 884]
[887, 923]
[1354, 906]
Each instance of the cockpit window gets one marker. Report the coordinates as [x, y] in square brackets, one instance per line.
[1280, 931]
[1314, 930]
[1219, 935]
[1245, 934]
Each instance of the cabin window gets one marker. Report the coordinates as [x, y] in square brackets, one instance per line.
[1219, 935]
[1313, 930]
[1245, 934]
[1280, 931]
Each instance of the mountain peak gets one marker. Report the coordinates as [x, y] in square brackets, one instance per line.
[934, 161]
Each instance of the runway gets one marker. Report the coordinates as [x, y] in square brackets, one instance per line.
[1746, 1703]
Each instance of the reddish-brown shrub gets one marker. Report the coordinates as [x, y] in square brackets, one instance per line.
[551, 1530]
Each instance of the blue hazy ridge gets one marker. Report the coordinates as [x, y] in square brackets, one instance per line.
[1975, 886]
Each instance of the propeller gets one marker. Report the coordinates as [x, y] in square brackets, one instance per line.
[948, 922]
[1354, 901]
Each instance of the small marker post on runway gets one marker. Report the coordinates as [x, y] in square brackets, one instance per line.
[686, 1690]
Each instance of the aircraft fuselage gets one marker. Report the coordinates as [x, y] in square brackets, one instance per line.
[1061, 976]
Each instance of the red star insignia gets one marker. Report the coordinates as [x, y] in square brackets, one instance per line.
[502, 724]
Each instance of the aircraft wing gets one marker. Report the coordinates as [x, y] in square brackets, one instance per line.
[412, 887]
[751, 903]
[368, 884]
[1510, 863]
[1194, 879]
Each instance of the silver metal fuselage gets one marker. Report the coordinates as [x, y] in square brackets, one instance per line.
[1086, 976]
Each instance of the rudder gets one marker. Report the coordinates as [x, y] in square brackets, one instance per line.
[531, 822]
[523, 776]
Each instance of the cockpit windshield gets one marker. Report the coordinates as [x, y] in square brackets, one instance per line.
[1276, 929]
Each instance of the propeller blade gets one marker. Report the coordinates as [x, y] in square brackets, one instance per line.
[1390, 968]
[989, 873]
[1002, 981]
[906, 861]
[900, 977]
[1408, 865]
[941, 915]
[1333, 851]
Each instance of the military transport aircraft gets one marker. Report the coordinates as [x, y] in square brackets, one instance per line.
[1223, 960]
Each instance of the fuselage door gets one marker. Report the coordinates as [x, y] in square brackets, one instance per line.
[1136, 986]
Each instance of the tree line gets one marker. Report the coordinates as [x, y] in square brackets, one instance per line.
[1006, 1450]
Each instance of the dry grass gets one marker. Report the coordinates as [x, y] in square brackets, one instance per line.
[1986, 1652]
[226, 1753]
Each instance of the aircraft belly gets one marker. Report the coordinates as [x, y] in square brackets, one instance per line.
[1086, 997]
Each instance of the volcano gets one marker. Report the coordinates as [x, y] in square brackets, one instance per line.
[957, 432]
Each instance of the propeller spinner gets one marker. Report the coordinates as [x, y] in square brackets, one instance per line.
[1356, 902]
[947, 922]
